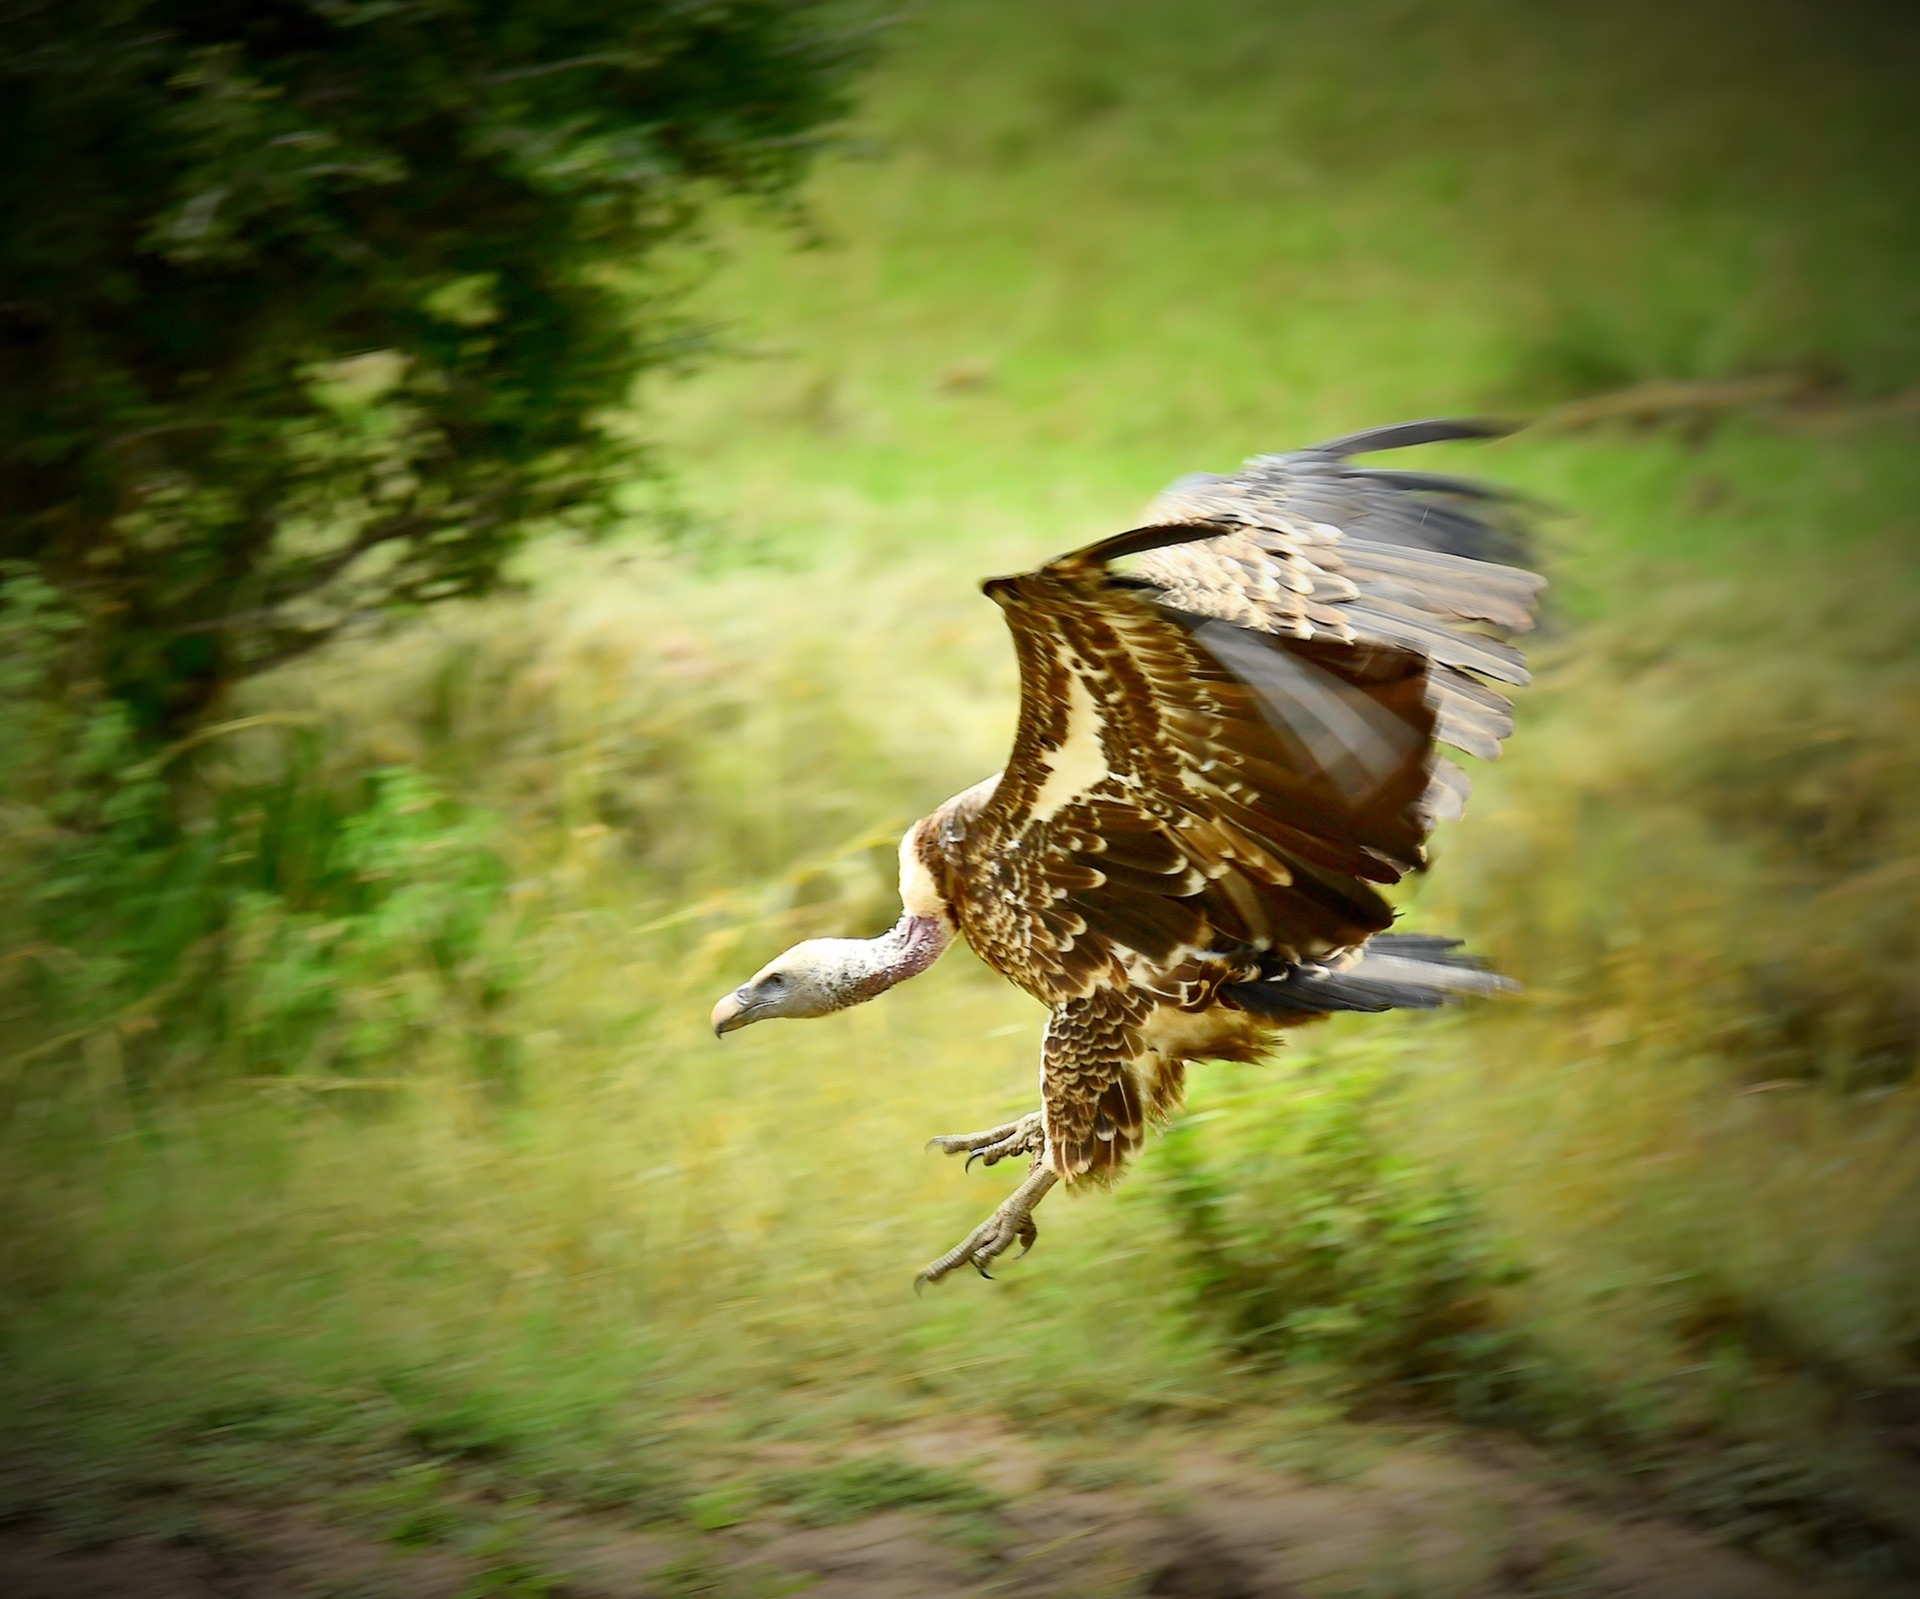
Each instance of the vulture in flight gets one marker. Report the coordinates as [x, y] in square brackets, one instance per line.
[1224, 748]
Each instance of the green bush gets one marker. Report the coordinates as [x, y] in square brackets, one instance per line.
[1313, 1238]
[292, 931]
[313, 309]
[262, 919]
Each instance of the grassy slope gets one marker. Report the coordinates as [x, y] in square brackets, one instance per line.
[1092, 246]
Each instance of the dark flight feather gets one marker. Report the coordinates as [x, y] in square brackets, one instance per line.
[1404, 435]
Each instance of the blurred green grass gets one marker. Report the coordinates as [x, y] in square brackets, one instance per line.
[1090, 247]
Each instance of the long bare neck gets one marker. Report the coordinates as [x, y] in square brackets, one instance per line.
[873, 965]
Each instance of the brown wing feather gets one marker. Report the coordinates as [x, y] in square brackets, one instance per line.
[1181, 790]
[1312, 546]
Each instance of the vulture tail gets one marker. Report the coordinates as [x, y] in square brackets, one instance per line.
[1393, 971]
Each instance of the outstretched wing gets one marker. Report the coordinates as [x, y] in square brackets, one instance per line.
[1311, 546]
[1219, 761]
[1182, 787]
[1185, 801]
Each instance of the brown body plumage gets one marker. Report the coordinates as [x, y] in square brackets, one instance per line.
[1221, 756]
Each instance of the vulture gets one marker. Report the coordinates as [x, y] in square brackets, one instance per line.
[1225, 748]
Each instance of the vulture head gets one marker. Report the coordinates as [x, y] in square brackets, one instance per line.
[811, 979]
[824, 975]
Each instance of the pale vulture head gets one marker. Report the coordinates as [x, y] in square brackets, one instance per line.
[824, 975]
[811, 979]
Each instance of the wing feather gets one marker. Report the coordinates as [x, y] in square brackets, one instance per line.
[1309, 545]
[1173, 782]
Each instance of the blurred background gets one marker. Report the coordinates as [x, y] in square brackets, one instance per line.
[493, 500]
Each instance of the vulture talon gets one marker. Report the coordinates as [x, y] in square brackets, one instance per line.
[1012, 1222]
[1022, 1137]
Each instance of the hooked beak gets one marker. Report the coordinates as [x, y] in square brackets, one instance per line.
[732, 1012]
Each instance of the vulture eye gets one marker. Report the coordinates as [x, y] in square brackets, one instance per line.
[773, 984]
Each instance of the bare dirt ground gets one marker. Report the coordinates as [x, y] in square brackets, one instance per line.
[1413, 1523]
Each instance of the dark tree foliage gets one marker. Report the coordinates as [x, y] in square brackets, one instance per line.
[310, 308]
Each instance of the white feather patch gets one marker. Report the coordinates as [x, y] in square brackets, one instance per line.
[1078, 765]
[918, 892]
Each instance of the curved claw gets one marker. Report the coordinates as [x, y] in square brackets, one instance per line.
[995, 1144]
[1012, 1222]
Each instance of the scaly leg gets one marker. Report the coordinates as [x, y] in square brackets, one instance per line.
[1024, 1137]
[997, 1234]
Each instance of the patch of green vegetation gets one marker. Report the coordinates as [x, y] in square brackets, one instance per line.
[456, 1422]
[867, 1484]
[280, 367]
[508, 1568]
[688, 1577]
[1313, 1240]
[412, 1507]
[264, 919]
[1799, 1509]
[696, 1576]
[720, 1508]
